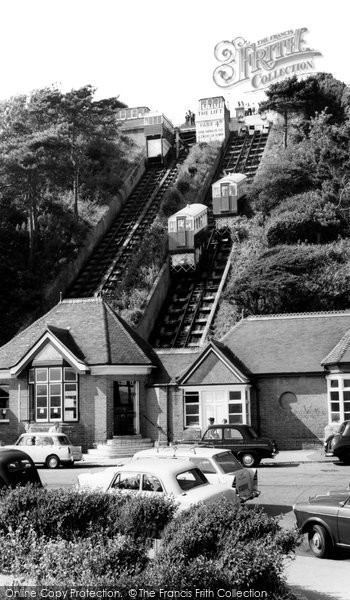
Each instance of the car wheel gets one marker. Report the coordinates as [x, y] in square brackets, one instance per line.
[52, 461]
[319, 541]
[248, 459]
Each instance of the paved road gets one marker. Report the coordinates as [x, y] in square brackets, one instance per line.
[281, 485]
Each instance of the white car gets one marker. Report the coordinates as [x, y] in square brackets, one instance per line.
[218, 465]
[49, 449]
[175, 477]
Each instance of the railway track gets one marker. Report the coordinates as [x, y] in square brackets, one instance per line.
[190, 299]
[107, 265]
[190, 304]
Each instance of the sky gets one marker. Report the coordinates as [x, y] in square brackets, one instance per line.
[152, 53]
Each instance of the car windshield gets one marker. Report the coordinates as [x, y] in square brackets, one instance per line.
[190, 479]
[227, 463]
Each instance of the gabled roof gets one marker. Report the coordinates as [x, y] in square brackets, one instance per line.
[87, 327]
[290, 343]
[214, 365]
[340, 352]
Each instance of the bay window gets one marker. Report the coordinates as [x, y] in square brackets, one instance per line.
[338, 398]
[55, 393]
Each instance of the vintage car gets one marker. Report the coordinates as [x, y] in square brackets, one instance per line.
[175, 477]
[219, 466]
[17, 468]
[338, 444]
[243, 442]
[326, 520]
[48, 448]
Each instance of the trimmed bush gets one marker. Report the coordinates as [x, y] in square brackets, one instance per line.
[68, 515]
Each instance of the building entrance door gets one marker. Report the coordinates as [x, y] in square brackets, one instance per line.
[123, 407]
[214, 405]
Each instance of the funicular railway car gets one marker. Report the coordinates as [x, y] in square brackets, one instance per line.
[159, 134]
[187, 235]
[226, 193]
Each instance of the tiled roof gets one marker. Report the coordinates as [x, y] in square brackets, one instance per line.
[174, 362]
[293, 343]
[92, 328]
[340, 353]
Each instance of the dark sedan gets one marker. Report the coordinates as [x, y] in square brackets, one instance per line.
[242, 440]
[326, 520]
[17, 468]
[338, 444]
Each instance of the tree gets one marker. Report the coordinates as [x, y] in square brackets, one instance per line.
[308, 97]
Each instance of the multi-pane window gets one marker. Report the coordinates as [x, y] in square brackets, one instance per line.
[339, 399]
[4, 402]
[55, 393]
[235, 407]
[191, 409]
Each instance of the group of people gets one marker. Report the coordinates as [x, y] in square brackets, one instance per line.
[248, 110]
[211, 421]
[190, 118]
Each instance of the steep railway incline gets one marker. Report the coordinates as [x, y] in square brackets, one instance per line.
[190, 306]
[108, 263]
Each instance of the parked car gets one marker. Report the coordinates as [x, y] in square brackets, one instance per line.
[338, 444]
[49, 449]
[326, 521]
[243, 442]
[219, 466]
[17, 468]
[171, 476]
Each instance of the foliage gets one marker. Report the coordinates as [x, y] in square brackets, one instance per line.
[67, 514]
[223, 546]
[218, 546]
[61, 155]
[309, 96]
[305, 218]
[96, 560]
[194, 171]
[294, 279]
[130, 297]
[172, 201]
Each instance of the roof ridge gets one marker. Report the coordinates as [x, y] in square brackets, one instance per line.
[128, 329]
[323, 313]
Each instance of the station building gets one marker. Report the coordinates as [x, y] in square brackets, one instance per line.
[82, 366]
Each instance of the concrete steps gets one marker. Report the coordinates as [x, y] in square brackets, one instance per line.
[120, 447]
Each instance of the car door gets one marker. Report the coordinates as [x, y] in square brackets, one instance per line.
[233, 439]
[344, 524]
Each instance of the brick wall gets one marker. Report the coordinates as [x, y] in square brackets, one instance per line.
[293, 410]
[154, 407]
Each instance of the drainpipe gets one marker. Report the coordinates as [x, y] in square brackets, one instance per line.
[257, 401]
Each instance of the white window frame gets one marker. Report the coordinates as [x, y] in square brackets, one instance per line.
[344, 415]
[69, 398]
[4, 410]
[244, 389]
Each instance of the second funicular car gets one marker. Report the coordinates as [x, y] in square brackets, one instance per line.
[219, 466]
[175, 477]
